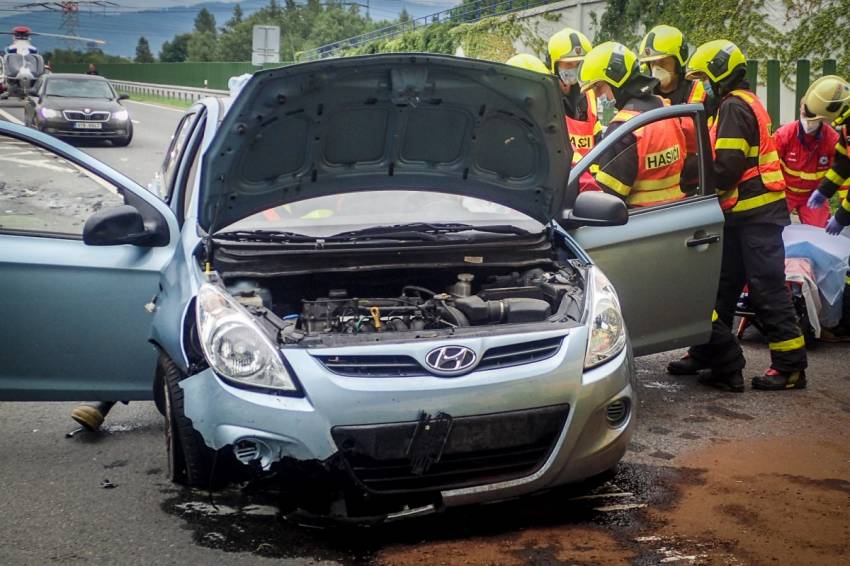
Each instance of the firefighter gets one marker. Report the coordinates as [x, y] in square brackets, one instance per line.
[806, 148]
[829, 99]
[665, 52]
[644, 167]
[751, 189]
[528, 62]
[566, 51]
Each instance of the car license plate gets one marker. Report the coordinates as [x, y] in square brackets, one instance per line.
[88, 125]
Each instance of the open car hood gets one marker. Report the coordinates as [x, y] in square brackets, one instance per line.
[388, 122]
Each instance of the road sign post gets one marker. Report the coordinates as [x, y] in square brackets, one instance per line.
[266, 45]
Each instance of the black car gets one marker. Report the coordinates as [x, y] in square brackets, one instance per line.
[78, 106]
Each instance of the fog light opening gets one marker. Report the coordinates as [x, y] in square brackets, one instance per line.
[249, 450]
[617, 412]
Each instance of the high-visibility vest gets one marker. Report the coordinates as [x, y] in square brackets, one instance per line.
[582, 132]
[661, 158]
[764, 162]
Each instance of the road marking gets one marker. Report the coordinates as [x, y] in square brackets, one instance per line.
[135, 121]
[157, 106]
[10, 118]
[35, 163]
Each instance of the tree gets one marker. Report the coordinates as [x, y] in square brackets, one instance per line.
[205, 22]
[143, 51]
[176, 50]
[203, 47]
[235, 19]
[403, 16]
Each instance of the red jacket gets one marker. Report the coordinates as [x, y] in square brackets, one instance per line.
[805, 157]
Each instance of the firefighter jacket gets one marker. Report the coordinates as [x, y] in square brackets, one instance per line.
[838, 177]
[805, 158]
[644, 168]
[747, 172]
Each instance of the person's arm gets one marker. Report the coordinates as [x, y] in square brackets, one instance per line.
[737, 139]
[840, 170]
[617, 167]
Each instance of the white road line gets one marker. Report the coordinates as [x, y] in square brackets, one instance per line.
[161, 107]
[135, 121]
[10, 118]
[33, 163]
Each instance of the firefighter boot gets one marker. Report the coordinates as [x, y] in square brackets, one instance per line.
[775, 380]
[92, 416]
[687, 365]
[732, 381]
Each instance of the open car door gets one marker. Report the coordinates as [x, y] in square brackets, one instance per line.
[82, 250]
[665, 261]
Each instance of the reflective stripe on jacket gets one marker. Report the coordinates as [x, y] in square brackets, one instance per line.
[661, 158]
[583, 132]
[762, 160]
[805, 158]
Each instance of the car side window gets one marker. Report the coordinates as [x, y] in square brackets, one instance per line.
[189, 176]
[44, 194]
[657, 165]
[163, 183]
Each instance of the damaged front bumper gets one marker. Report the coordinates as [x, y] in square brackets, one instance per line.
[411, 445]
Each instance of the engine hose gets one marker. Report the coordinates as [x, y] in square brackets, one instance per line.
[417, 289]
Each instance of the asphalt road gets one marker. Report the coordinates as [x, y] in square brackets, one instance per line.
[711, 478]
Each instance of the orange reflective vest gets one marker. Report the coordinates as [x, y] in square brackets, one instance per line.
[661, 158]
[763, 160]
[582, 132]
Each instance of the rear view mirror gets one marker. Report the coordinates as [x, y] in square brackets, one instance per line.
[123, 97]
[117, 225]
[595, 208]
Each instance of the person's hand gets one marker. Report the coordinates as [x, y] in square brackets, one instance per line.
[817, 200]
[834, 228]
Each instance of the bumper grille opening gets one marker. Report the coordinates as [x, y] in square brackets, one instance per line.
[479, 450]
[617, 412]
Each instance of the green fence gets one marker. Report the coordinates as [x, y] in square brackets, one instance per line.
[772, 79]
[199, 75]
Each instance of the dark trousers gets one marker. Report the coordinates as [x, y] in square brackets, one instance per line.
[754, 254]
[845, 305]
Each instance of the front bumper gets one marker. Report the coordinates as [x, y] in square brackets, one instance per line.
[65, 129]
[309, 428]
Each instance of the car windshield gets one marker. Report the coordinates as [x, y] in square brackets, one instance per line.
[79, 88]
[330, 215]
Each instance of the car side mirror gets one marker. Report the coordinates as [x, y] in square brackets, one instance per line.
[115, 226]
[123, 97]
[594, 208]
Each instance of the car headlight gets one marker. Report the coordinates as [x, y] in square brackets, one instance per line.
[607, 336]
[235, 347]
[121, 115]
[48, 113]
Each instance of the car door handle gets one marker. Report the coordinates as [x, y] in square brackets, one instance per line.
[703, 239]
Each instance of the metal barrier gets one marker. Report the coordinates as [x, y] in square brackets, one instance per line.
[167, 91]
[773, 82]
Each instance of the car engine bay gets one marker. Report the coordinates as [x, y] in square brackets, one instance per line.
[306, 308]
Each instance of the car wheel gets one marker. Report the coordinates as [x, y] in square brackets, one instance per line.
[190, 461]
[125, 141]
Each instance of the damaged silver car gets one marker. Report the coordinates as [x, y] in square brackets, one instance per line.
[368, 282]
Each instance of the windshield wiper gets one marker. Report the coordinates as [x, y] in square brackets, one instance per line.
[263, 236]
[422, 229]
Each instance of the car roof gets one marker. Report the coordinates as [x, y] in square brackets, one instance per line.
[74, 76]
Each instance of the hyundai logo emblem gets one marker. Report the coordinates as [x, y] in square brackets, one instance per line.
[451, 359]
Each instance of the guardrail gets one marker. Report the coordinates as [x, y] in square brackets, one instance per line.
[167, 91]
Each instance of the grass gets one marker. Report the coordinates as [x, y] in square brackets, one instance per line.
[163, 100]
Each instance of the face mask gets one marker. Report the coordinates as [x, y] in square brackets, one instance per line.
[664, 76]
[706, 86]
[568, 76]
[810, 125]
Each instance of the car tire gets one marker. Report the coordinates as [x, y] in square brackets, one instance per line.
[125, 141]
[190, 461]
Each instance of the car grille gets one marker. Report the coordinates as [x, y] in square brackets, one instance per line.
[406, 366]
[479, 450]
[77, 116]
